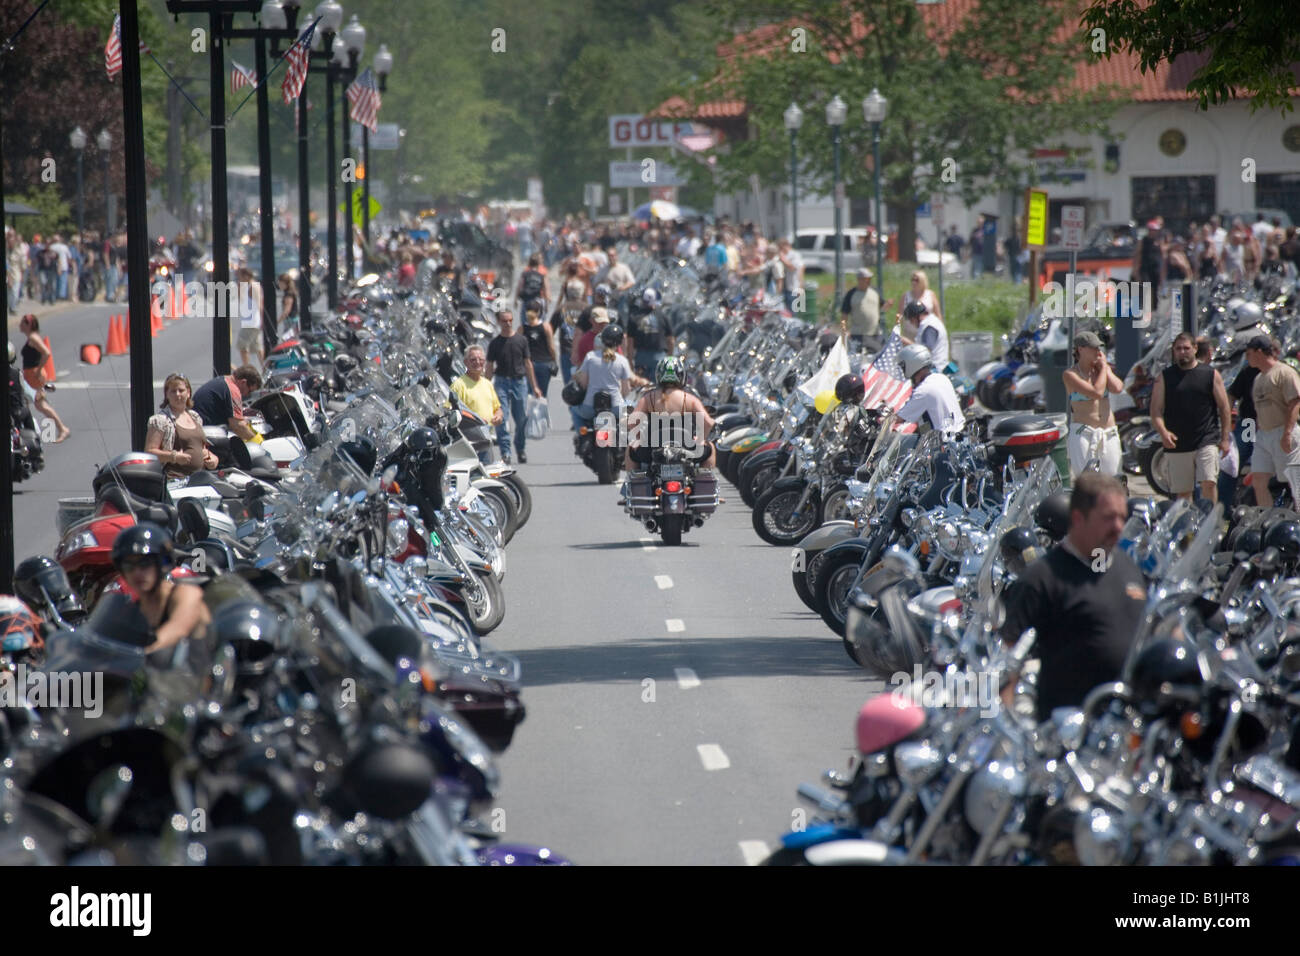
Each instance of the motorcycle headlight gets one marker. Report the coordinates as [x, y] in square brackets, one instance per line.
[923, 526]
[909, 517]
[989, 790]
[857, 489]
[916, 761]
[79, 541]
[398, 531]
[949, 537]
[1100, 838]
[417, 566]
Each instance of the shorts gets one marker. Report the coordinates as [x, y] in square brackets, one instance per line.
[1086, 442]
[249, 340]
[1268, 457]
[35, 377]
[1187, 468]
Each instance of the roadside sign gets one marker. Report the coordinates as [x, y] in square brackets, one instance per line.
[615, 204]
[385, 136]
[1036, 218]
[936, 209]
[593, 194]
[358, 206]
[1072, 219]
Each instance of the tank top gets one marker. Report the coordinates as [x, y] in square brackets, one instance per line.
[31, 356]
[190, 441]
[536, 336]
[1190, 411]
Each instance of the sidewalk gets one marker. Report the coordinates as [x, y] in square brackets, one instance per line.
[42, 312]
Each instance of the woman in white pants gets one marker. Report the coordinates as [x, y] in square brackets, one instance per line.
[1092, 424]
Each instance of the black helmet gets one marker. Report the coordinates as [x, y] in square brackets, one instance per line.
[850, 389]
[1019, 547]
[253, 630]
[344, 364]
[362, 452]
[915, 310]
[1165, 661]
[1053, 514]
[1285, 536]
[423, 442]
[612, 336]
[1248, 541]
[144, 540]
[40, 580]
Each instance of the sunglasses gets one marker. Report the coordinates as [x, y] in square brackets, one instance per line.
[137, 563]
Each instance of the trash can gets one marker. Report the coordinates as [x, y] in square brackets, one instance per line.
[809, 313]
[1054, 358]
[970, 350]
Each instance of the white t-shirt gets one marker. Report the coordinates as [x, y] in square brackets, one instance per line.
[250, 316]
[935, 403]
[602, 377]
[619, 276]
[1262, 231]
[1220, 237]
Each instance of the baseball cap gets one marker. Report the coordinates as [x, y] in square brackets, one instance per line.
[599, 314]
[1260, 343]
[1088, 340]
[865, 273]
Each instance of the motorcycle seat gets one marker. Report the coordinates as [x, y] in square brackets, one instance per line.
[122, 501]
[202, 479]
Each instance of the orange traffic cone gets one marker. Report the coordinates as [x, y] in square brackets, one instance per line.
[49, 362]
[115, 344]
[155, 315]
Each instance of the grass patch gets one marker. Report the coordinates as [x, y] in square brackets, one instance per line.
[986, 304]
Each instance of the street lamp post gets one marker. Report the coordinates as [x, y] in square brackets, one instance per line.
[836, 113]
[874, 107]
[793, 120]
[331, 14]
[383, 67]
[105, 143]
[353, 39]
[78, 140]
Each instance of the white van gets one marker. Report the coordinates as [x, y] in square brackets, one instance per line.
[817, 246]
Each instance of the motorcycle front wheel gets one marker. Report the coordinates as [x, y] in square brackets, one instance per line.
[488, 609]
[774, 519]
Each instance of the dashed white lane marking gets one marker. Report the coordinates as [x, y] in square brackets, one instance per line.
[754, 851]
[675, 625]
[648, 544]
[712, 757]
[664, 581]
[686, 679]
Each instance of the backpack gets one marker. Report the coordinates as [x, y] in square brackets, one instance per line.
[533, 283]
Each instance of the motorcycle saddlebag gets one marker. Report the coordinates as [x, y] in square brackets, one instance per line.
[140, 473]
[641, 495]
[704, 494]
[1025, 438]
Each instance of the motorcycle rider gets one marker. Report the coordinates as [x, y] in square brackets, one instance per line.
[143, 555]
[930, 331]
[652, 335]
[933, 401]
[604, 371]
[672, 398]
[220, 401]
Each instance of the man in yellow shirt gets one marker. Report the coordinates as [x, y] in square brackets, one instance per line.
[476, 391]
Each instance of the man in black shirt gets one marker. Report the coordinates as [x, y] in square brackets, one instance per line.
[511, 369]
[1085, 598]
[1190, 410]
[220, 401]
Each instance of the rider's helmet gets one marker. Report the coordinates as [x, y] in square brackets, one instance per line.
[915, 310]
[40, 579]
[1053, 514]
[20, 628]
[850, 389]
[611, 336]
[144, 540]
[650, 298]
[1018, 548]
[423, 443]
[671, 370]
[1247, 314]
[603, 292]
[254, 632]
[1285, 536]
[1164, 662]
[914, 358]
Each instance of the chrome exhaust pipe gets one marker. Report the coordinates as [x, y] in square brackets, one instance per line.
[651, 525]
[698, 522]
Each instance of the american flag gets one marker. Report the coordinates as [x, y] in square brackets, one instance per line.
[884, 378]
[241, 76]
[364, 97]
[295, 74]
[113, 50]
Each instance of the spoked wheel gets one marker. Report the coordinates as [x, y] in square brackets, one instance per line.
[1155, 468]
[487, 607]
[670, 529]
[503, 511]
[759, 482]
[774, 518]
[805, 580]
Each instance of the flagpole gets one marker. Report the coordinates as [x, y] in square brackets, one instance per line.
[267, 213]
[220, 201]
[304, 216]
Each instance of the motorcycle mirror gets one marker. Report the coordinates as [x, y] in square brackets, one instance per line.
[361, 495]
[107, 794]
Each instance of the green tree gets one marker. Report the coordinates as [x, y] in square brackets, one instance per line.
[1251, 46]
[965, 110]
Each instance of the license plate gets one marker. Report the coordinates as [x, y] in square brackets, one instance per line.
[672, 471]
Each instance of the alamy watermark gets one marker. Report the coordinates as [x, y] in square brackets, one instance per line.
[951, 688]
[204, 300]
[1103, 299]
[73, 690]
[652, 429]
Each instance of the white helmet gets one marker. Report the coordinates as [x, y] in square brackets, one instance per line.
[914, 358]
[12, 354]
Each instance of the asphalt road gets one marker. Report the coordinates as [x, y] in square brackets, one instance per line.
[675, 696]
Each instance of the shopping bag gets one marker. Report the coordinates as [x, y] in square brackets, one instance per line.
[537, 416]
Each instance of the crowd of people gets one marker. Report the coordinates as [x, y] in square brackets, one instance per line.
[53, 268]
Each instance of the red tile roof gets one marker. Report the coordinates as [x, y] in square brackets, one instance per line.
[1167, 82]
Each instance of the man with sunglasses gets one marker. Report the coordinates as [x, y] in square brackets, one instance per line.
[510, 366]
